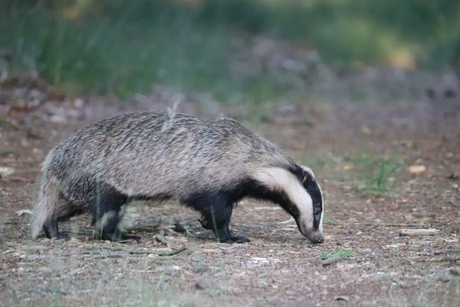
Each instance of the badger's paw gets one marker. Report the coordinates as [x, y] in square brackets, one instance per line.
[234, 239]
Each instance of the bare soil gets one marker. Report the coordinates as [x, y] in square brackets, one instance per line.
[177, 263]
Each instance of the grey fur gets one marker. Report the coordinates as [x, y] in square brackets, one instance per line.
[148, 155]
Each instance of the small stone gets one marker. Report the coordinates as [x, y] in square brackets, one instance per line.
[201, 268]
[22, 212]
[6, 171]
[178, 227]
[160, 238]
[444, 278]
[203, 283]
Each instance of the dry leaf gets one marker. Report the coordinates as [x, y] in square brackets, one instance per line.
[365, 129]
[209, 250]
[22, 212]
[416, 169]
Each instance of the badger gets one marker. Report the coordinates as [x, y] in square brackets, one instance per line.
[208, 166]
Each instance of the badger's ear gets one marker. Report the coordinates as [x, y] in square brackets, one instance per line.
[308, 173]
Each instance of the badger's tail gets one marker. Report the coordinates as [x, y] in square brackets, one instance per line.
[45, 205]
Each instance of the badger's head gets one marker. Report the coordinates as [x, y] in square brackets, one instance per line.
[310, 218]
[299, 194]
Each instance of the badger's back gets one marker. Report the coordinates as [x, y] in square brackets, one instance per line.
[148, 154]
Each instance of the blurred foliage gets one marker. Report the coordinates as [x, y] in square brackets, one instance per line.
[378, 176]
[124, 46]
[343, 254]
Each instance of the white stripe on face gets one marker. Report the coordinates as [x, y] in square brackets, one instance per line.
[279, 179]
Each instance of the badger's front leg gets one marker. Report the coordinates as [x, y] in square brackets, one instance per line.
[216, 212]
[223, 235]
[221, 231]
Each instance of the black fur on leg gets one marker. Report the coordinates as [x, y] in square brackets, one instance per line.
[224, 236]
[51, 229]
[107, 227]
[107, 213]
[216, 210]
[216, 206]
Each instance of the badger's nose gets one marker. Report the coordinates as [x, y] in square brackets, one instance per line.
[317, 239]
[315, 236]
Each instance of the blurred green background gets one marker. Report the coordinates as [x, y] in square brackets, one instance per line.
[122, 47]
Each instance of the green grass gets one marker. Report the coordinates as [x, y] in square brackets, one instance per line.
[378, 175]
[121, 47]
[343, 254]
[112, 49]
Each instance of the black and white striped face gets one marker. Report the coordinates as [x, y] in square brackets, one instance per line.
[300, 196]
[314, 190]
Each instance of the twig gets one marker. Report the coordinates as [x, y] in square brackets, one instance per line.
[418, 232]
[331, 260]
[450, 259]
[371, 227]
[391, 224]
[172, 253]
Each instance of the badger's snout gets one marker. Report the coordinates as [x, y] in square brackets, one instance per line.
[315, 236]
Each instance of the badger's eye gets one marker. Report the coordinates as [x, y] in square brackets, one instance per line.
[317, 210]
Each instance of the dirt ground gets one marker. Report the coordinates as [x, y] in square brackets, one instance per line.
[177, 263]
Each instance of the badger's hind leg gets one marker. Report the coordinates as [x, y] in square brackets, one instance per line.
[216, 211]
[63, 210]
[107, 213]
[51, 208]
